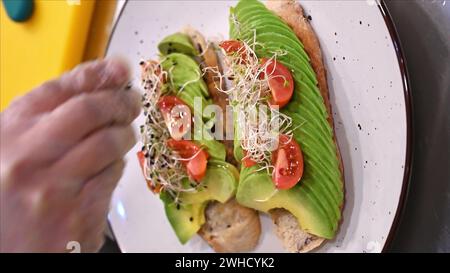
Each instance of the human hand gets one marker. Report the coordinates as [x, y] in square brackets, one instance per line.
[61, 152]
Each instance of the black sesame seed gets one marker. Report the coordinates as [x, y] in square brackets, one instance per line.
[178, 206]
[309, 17]
[142, 63]
[191, 219]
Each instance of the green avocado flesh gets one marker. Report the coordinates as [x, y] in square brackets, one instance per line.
[220, 181]
[177, 42]
[186, 217]
[317, 199]
[182, 69]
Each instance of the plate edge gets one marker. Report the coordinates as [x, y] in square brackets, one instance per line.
[409, 126]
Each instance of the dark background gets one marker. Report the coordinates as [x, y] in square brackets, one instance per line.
[423, 27]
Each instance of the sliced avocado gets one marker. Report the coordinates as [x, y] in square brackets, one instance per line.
[237, 149]
[214, 148]
[225, 165]
[177, 42]
[220, 181]
[317, 199]
[184, 73]
[218, 184]
[182, 69]
[201, 135]
[187, 217]
[257, 191]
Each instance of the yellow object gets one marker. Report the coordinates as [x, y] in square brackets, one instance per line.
[100, 29]
[52, 41]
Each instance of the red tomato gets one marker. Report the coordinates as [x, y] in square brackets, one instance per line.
[141, 158]
[196, 158]
[247, 161]
[281, 83]
[231, 46]
[178, 120]
[288, 162]
[166, 103]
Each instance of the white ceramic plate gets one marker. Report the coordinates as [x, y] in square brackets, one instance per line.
[370, 108]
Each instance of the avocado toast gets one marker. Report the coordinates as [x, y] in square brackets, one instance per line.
[275, 60]
[190, 174]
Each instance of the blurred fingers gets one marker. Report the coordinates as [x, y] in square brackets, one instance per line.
[93, 155]
[98, 189]
[95, 197]
[80, 117]
[108, 74]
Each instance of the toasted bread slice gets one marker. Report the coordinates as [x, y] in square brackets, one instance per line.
[288, 230]
[290, 11]
[229, 227]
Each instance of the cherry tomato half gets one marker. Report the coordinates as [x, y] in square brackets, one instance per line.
[281, 83]
[247, 161]
[233, 46]
[177, 116]
[195, 157]
[288, 162]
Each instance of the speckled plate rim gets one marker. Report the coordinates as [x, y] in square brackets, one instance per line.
[409, 125]
[408, 110]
